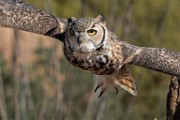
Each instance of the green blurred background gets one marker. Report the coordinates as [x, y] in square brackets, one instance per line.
[49, 88]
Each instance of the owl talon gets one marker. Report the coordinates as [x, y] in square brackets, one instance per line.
[100, 94]
[116, 89]
[98, 86]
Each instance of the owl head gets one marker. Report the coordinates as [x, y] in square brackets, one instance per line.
[86, 34]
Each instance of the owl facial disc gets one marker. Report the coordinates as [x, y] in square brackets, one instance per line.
[86, 34]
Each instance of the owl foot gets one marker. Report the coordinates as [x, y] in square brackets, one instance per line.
[103, 87]
[100, 84]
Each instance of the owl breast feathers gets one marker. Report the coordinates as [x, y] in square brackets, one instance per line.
[90, 46]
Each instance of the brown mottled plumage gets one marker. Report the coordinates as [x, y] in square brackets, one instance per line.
[89, 45]
[25, 17]
[99, 53]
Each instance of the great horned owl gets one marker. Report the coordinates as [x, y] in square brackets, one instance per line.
[87, 42]
[91, 46]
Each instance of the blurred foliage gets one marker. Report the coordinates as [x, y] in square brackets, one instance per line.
[153, 23]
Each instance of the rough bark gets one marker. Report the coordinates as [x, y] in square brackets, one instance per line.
[173, 100]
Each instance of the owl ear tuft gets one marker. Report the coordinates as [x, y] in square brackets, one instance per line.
[101, 18]
[71, 19]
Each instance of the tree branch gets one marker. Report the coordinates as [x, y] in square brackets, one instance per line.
[3, 111]
[173, 100]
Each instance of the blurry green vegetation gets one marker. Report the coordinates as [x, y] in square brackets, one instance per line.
[153, 23]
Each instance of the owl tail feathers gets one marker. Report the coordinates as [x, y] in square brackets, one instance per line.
[125, 80]
[127, 85]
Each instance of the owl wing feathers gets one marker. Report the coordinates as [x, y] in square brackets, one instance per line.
[25, 17]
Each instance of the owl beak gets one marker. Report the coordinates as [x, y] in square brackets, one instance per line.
[81, 38]
[78, 40]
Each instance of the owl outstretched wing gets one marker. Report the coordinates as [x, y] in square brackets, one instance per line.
[25, 17]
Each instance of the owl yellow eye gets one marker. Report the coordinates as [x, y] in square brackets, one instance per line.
[92, 32]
